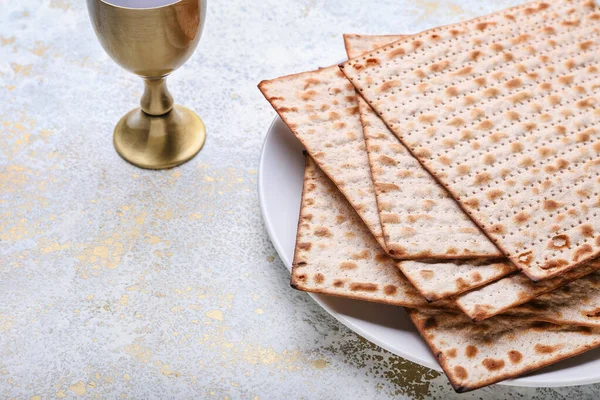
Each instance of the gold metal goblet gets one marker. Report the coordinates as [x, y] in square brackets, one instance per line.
[152, 38]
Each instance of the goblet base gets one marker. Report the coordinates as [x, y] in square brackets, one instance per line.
[159, 142]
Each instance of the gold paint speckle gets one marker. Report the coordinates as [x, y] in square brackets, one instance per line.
[21, 70]
[78, 388]
[61, 4]
[140, 218]
[6, 322]
[407, 378]
[215, 314]
[153, 239]
[40, 49]
[5, 41]
[95, 257]
[54, 247]
[101, 251]
[139, 351]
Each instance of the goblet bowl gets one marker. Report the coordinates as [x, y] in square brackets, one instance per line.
[152, 38]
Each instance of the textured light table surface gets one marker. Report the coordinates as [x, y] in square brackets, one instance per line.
[121, 283]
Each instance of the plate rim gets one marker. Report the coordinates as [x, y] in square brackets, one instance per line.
[518, 382]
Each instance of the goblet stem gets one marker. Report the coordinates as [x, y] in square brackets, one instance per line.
[157, 99]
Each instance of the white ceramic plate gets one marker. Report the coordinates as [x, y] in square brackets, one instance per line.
[280, 187]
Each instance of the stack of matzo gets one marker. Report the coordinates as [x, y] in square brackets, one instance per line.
[460, 183]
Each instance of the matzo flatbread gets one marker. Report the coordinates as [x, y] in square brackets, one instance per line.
[337, 255]
[321, 110]
[418, 216]
[437, 280]
[578, 303]
[503, 111]
[357, 45]
[417, 224]
[514, 290]
[474, 355]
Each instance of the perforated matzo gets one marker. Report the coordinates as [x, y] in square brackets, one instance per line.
[321, 110]
[503, 111]
[336, 254]
[479, 354]
[418, 216]
[578, 303]
[497, 297]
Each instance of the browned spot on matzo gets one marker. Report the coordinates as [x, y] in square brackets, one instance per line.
[515, 356]
[492, 364]
[319, 278]
[363, 287]
[471, 351]
[390, 290]
[347, 265]
[544, 349]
